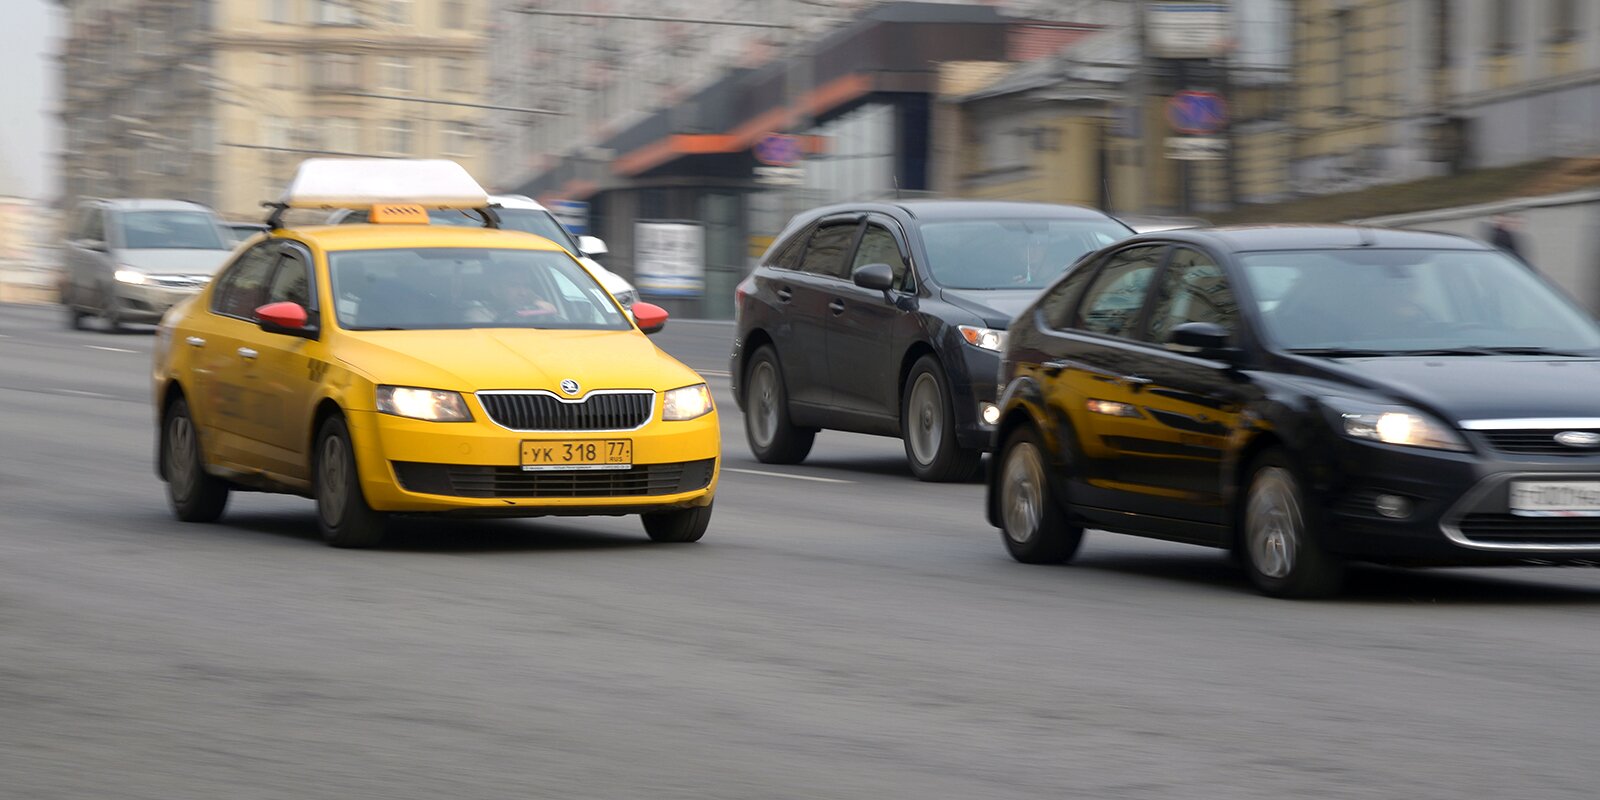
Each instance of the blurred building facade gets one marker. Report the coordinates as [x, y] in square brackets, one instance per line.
[217, 101]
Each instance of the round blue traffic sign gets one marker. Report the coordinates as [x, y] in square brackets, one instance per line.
[778, 150]
[1197, 113]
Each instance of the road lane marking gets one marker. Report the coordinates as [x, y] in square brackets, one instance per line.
[785, 475]
[110, 349]
[716, 373]
[81, 393]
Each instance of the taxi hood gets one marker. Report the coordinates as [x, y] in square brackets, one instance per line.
[513, 358]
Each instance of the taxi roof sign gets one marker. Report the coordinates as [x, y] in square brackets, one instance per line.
[367, 182]
[398, 214]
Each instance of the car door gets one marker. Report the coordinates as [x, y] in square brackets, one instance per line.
[88, 251]
[1189, 405]
[807, 293]
[228, 353]
[286, 373]
[862, 331]
[1085, 369]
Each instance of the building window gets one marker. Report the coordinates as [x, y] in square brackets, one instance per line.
[458, 139]
[339, 71]
[397, 74]
[397, 137]
[336, 12]
[278, 133]
[280, 71]
[453, 14]
[453, 74]
[277, 10]
[1344, 28]
[343, 135]
[1502, 26]
[1563, 20]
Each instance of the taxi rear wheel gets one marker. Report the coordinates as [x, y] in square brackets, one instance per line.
[686, 525]
[195, 495]
[342, 511]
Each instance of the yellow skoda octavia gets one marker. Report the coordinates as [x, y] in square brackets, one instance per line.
[399, 367]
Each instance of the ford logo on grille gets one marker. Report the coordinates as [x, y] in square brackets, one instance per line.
[570, 386]
[1579, 438]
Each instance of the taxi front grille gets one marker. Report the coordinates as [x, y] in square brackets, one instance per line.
[544, 411]
[1536, 441]
[642, 480]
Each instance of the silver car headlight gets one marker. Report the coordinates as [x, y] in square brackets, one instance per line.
[433, 405]
[1398, 425]
[131, 276]
[983, 338]
[686, 403]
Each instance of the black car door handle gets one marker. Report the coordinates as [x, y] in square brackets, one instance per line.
[837, 307]
[784, 294]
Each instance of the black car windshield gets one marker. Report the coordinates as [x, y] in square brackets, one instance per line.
[527, 220]
[1389, 301]
[439, 288]
[170, 230]
[1012, 253]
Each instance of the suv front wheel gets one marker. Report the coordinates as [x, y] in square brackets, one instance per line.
[928, 426]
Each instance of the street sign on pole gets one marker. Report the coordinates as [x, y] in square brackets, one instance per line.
[669, 258]
[1197, 148]
[1184, 30]
[778, 150]
[1195, 113]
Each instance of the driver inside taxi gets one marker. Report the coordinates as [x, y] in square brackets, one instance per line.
[510, 295]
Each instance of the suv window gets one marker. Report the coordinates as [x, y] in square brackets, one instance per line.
[1193, 289]
[291, 283]
[243, 288]
[787, 254]
[878, 246]
[826, 251]
[1114, 300]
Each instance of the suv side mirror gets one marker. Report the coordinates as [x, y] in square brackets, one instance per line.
[592, 246]
[290, 319]
[1204, 339]
[877, 277]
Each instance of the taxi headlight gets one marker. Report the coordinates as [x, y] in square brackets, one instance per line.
[433, 405]
[1400, 426]
[127, 275]
[687, 403]
[983, 338]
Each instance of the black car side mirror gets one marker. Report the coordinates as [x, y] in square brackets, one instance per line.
[1204, 339]
[877, 277]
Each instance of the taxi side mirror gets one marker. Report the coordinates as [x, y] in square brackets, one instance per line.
[290, 319]
[651, 317]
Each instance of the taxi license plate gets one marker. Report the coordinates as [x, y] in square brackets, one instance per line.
[583, 454]
[1555, 498]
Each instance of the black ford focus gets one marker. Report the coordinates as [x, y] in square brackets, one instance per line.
[1306, 396]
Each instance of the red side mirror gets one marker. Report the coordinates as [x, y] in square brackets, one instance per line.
[651, 317]
[282, 317]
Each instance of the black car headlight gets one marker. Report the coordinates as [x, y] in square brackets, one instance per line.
[984, 338]
[1397, 425]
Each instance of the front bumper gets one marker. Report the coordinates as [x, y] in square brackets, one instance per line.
[408, 466]
[149, 302]
[1459, 508]
[973, 384]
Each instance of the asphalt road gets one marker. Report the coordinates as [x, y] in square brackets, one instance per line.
[841, 632]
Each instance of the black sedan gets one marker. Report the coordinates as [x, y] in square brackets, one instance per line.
[889, 319]
[1304, 396]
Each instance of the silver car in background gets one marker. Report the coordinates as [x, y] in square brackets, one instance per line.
[131, 260]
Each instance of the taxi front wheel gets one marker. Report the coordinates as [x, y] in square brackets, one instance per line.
[342, 511]
[195, 495]
[686, 525]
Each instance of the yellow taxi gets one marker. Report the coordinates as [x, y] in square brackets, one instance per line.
[401, 367]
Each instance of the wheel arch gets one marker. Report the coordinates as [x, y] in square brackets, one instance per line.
[914, 353]
[754, 340]
[326, 408]
[169, 393]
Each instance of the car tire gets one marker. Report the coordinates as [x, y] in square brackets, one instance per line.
[195, 495]
[773, 438]
[342, 511]
[74, 315]
[928, 427]
[111, 312]
[1278, 540]
[684, 525]
[1033, 525]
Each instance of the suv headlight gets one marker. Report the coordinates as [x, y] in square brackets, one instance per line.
[984, 338]
[1398, 425]
[433, 405]
[129, 275]
[686, 403]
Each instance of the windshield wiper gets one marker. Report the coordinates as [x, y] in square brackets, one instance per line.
[1345, 352]
[1480, 350]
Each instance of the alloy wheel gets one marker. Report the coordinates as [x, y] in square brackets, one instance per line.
[1022, 495]
[1274, 525]
[764, 399]
[925, 428]
[182, 452]
[332, 495]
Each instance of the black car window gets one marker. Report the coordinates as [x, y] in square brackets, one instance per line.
[1061, 300]
[787, 255]
[825, 253]
[1114, 300]
[94, 224]
[291, 283]
[878, 246]
[243, 288]
[1193, 289]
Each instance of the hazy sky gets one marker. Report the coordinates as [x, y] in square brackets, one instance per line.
[28, 137]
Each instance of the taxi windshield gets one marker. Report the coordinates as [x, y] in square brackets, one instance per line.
[458, 287]
[1395, 302]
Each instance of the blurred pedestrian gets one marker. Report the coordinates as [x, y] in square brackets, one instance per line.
[1505, 235]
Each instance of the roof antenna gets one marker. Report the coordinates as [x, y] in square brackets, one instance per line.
[897, 187]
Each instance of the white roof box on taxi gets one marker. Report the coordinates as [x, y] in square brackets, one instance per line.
[365, 182]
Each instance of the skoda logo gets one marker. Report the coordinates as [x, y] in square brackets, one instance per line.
[570, 386]
[1579, 438]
